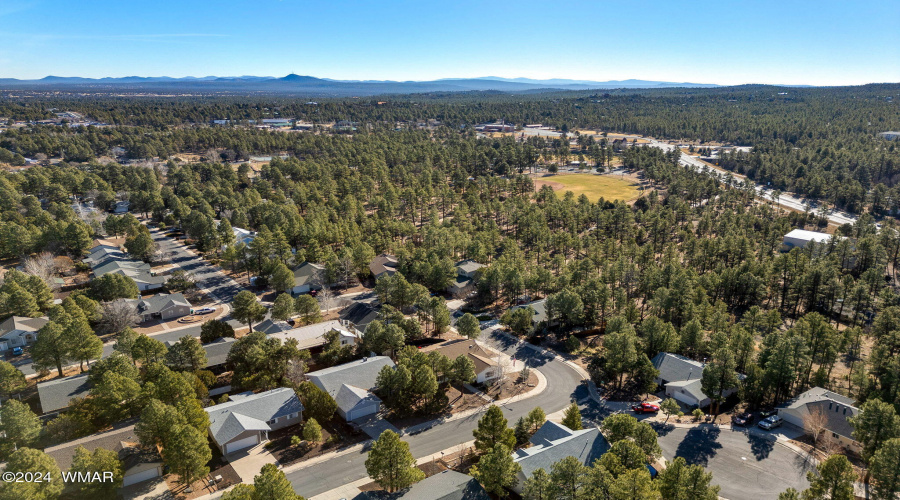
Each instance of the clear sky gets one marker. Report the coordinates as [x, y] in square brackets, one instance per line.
[824, 42]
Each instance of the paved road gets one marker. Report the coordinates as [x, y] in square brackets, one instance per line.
[746, 463]
[564, 384]
[222, 288]
[785, 200]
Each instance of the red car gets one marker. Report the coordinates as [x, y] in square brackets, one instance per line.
[645, 408]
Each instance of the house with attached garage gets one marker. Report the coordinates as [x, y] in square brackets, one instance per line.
[681, 378]
[162, 306]
[139, 463]
[554, 442]
[352, 385]
[246, 419]
[820, 410]
[19, 331]
[446, 485]
[486, 366]
[307, 277]
[360, 314]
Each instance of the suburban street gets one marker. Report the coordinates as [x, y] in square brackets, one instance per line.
[221, 288]
[747, 463]
[564, 385]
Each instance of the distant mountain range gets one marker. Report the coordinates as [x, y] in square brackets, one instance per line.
[308, 85]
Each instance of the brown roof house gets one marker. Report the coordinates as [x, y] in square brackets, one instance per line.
[383, 265]
[486, 366]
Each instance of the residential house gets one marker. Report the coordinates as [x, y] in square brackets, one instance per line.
[247, 418]
[163, 306]
[19, 331]
[312, 336]
[360, 314]
[270, 326]
[446, 485]
[681, 378]
[465, 278]
[121, 207]
[351, 385]
[486, 366]
[244, 236]
[383, 265]
[540, 312]
[139, 464]
[217, 353]
[307, 277]
[56, 395]
[554, 442]
[113, 265]
[822, 408]
[144, 280]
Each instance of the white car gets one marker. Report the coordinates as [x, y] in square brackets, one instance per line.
[205, 310]
[771, 423]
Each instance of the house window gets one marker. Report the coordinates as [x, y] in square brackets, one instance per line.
[834, 435]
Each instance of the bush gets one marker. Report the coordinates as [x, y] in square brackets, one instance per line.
[698, 414]
[572, 343]
[296, 440]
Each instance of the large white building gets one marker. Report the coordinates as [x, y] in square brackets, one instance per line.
[799, 238]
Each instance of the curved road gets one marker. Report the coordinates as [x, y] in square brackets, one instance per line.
[563, 385]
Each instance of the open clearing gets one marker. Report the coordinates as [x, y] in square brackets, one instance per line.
[593, 186]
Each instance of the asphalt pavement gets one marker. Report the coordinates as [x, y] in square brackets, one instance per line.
[746, 463]
[564, 385]
[221, 287]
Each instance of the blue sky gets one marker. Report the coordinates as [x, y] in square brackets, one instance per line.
[821, 42]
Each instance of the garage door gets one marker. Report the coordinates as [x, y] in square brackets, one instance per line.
[362, 411]
[240, 444]
[140, 476]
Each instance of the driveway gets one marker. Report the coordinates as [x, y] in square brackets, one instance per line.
[564, 385]
[748, 463]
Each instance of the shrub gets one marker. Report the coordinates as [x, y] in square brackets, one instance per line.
[296, 440]
[698, 414]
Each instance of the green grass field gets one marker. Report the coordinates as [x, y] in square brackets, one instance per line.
[594, 187]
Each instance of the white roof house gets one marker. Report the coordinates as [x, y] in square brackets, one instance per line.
[314, 335]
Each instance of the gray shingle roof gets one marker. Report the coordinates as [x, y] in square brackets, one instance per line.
[673, 367]
[383, 264]
[217, 352]
[586, 445]
[109, 266]
[540, 310]
[835, 407]
[448, 485]
[360, 374]
[118, 440]
[468, 266]
[56, 394]
[360, 314]
[160, 302]
[270, 326]
[22, 324]
[246, 411]
[309, 273]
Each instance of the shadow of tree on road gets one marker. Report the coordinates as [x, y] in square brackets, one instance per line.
[661, 428]
[760, 446]
[699, 445]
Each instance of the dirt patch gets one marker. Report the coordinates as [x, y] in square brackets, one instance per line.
[205, 486]
[335, 435]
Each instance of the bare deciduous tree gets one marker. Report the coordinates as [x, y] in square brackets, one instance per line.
[42, 265]
[326, 298]
[118, 315]
[815, 423]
